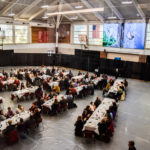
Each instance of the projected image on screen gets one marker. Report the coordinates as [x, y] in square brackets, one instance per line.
[112, 35]
[134, 35]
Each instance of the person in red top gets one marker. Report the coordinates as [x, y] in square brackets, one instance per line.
[1, 85]
[16, 82]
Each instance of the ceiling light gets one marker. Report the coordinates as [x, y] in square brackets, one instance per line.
[126, 2]
[74, 18]
[45, 17]
[11, 14]
[76, 11]
[78, 6]
[44, 6]
[112, 17]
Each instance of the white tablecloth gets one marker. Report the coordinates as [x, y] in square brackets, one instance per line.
[15, 120]
[50, 102]
[95, 81]
[8, 82]
[78, 77]
[20, 93]
[98, 115]
[114, 89]
[52, 84]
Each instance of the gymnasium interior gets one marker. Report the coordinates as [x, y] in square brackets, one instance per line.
[74, 74]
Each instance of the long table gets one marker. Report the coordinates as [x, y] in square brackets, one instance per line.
[98, 115]
[15, 120]
[22, 92]
[50, 102]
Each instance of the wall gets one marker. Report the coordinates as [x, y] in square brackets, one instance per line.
[124, 57]
[30, 48]
[47, 35]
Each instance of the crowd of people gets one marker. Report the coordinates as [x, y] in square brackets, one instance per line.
[105, 126]
[80, 87]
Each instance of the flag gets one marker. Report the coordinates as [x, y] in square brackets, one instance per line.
[96, 31]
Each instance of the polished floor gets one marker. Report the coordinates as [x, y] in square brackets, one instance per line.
[57, 132]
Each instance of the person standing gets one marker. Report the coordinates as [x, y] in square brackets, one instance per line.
[116, 73]
[131, 145]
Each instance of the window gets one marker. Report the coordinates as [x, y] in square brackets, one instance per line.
[6, 34]
[21, 34]
[95, 35]
[80, 32]
[147, 41]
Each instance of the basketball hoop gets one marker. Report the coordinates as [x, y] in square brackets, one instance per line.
[82, 38]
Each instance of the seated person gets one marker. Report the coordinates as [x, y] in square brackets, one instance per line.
[21, 125]
[19, 109]
[1, 84]
[97, 102]
[16, 82]
[51, 95]
[55, 106]
[79, 73]
[33, 107]
[39, 93]
[5, 78]
[92, 106]
[71, 103]
[22, 86]
[79, 126]
[46, 97]
[89, 111]
[55, 78]
[56, 89]
[37, 116]
[9, 128]
[1, 104]
[70, 74]
[2, 116]
[10, 113]
[102, 127]
[28, 85]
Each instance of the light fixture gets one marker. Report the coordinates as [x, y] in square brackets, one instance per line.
[126, 2]
[74, 18]
[11, 14]
[76, 11]
[79, 6]
[112, 17]
[45, 17]
[44, 6]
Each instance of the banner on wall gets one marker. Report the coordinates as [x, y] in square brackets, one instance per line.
[112, 35]
[134, 35]
[96, 31]
[46, 36]
[40, 36]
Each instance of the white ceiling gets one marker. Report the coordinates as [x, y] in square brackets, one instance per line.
[31, 9]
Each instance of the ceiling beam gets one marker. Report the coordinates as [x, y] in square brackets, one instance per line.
[28, 8]
[72, 8]
[42, 10]
[98, 15]
[114, 9]
[5, 9]
[139, 9]
[67, 18]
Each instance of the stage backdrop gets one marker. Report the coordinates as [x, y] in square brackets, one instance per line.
[134, 35]
[112, 35]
